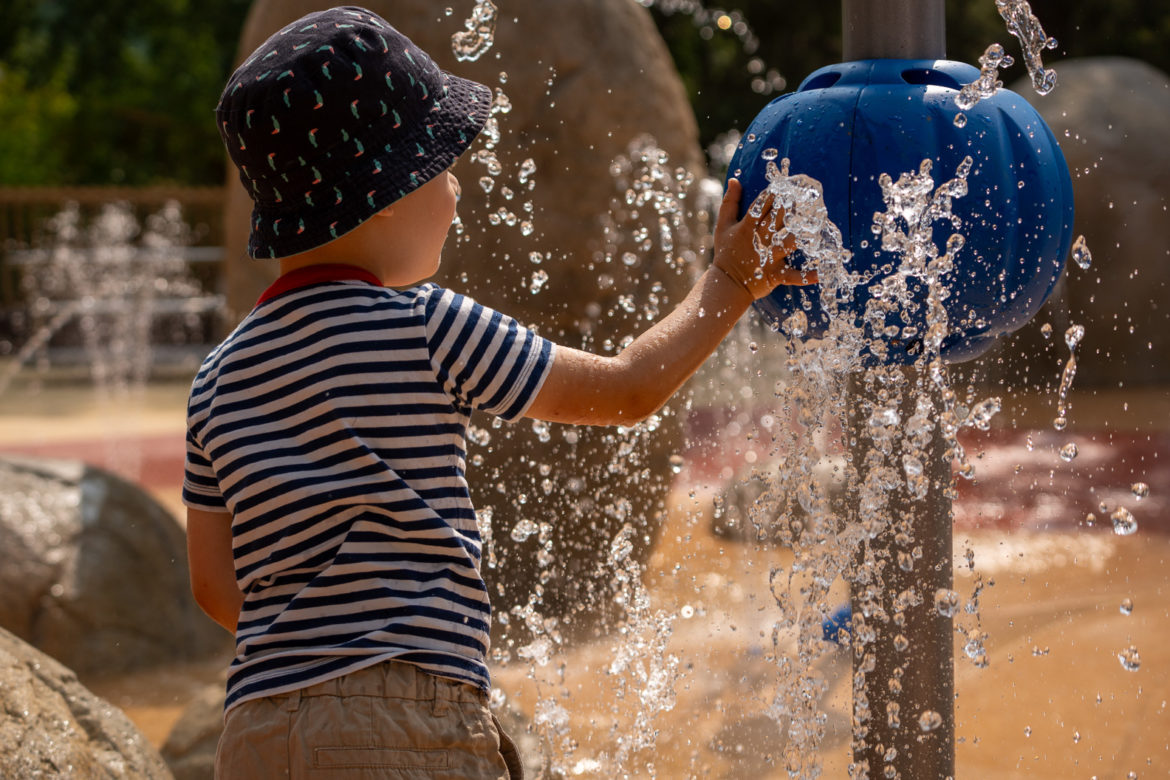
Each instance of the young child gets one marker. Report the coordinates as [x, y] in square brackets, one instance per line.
[329, 522]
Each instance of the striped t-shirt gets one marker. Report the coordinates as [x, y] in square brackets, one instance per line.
[331, 424]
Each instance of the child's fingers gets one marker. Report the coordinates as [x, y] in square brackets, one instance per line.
[782, 273]
[729, 207]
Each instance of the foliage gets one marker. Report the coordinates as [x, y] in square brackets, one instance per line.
[114, 92]
[795, 39]
[121, 91]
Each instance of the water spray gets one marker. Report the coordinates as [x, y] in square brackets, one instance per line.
[860, 146]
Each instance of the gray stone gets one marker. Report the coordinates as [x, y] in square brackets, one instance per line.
[51, 726]
[587, 81]
[190, 747]
[1111, 116]
[94, 571]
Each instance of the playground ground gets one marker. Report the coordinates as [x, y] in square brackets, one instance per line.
[1055, 701]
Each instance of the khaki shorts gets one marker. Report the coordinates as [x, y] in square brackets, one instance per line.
[391, 720]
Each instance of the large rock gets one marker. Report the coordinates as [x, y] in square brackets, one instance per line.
[1110, 116]
[190, 747]
[94, 571]
[52, 726]
[587, 81]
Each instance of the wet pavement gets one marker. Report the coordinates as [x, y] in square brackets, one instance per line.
[1056, 700]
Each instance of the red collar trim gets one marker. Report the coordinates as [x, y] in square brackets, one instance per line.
[317, 274]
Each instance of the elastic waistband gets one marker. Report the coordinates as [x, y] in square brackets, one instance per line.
[389, 679]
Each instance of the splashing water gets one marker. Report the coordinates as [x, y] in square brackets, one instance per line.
[113, 277]
[1024, 25]
[474, 41]
[911, 409]
[649, 218]
[1072, 337]
[988, 82]
[1081, 254]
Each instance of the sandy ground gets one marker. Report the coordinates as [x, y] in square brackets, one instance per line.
[1055, 701]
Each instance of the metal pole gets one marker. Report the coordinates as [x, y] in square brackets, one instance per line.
[903, 660]
[893, 29]
[903, 665]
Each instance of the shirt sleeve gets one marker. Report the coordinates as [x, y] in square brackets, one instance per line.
[484, 359]
[200, 486]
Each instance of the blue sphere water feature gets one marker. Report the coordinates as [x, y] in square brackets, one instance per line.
[849, 123]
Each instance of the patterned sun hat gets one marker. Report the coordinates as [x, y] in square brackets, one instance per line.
[334, 118]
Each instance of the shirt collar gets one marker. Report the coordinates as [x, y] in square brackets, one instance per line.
[317, 274]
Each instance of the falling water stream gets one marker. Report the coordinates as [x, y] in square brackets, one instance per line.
[814, 500]
[806, 474]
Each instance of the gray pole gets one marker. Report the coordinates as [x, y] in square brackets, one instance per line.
[903, 676]
[903, 652]
[893, 29]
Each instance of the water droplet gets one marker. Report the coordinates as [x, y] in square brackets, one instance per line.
[1027, 731]
[1140, 490]
[796, 324]
[960, 119]
[929, 720]
[1124, 522]
[487, 183]
[1073, 335]
[1060, 423]
[1068, 452]
[687, 612]
[535, 258]
[1046, 330]
[676, 463]
[1130, 660]
[1081, 254]
[1127, 606]
[524, 529]
[946, 601]
[769, 154]
[539, 277]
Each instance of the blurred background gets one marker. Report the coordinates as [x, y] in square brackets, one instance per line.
[121, 267]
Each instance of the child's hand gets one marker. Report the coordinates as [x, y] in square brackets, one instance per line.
[736, 243]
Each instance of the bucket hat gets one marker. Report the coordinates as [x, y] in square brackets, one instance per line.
[335, 117]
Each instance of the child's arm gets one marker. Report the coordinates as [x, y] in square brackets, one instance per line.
[586, 389]
[213, 575]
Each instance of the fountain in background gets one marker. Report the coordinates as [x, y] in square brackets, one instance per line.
[111, 295]
[765, 604]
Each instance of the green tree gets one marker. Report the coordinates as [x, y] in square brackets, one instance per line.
[115, 92]
[722, 69]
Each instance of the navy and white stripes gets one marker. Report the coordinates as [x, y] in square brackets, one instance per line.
[331, 424]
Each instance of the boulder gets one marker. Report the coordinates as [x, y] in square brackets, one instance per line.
[52, 726]
[94, 571]
[190, 747]
[1110, 116]
[594, 102]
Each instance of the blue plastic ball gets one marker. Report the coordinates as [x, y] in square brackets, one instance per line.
[849, 123]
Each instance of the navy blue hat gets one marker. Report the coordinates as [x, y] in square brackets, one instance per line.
[334, 118]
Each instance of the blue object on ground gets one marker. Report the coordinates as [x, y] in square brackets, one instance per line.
[848, 123]
[841, 619]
